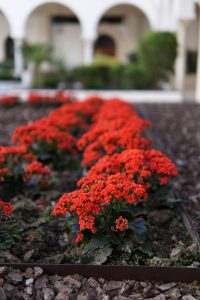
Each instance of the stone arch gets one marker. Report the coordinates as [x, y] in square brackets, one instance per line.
[127, 23]
[54, 23]
[147, 7]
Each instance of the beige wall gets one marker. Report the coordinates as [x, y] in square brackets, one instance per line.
[126, 35]
[4, 33]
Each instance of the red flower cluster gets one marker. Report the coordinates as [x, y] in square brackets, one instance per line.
[6, 207]
[8, 100]
[126, 171]
[18, 168]
[121, 224]
[116, 128]
[145, 167]
[56, 134]
[52, 99]
[97, 194]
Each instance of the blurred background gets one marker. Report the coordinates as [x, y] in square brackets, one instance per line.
[101, 45]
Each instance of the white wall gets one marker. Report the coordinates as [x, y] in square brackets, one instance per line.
[161, 15]
[67, 44]
[4, 33]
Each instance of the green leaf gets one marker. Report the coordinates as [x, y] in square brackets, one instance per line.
[99, 242]
[139, 228]
[6, 241]
[101, 255]
[146, 250]
[87, 259]
[75, 228]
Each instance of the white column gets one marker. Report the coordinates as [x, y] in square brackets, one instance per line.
[181, 57]
[197, 96]
[18, 57]
[88, 51]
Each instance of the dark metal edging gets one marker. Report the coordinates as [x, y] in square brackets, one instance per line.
[139, 273]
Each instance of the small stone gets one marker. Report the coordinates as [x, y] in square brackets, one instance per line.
[14, 278]
[28, 255]
[197, 292]
[48, 294]
[143, 284]
[60, 286]
[174, 294]
[93, 283]
[38, 271]
[41, 282]
[89, 294]
[120, 298]
[192, 247]
[195, 264]
[29, 281]
[3, 271]
[55, 278]
[101, 280]
[29, 273]
[8, 287]
[113, 285]
[105, 297]
[2, 294]
[71, 281]
[188, 297]
[2, 282]
[159, 297]
[61, 296]
[167, 286]
[136, 296]
[176, 253]
[29, 290]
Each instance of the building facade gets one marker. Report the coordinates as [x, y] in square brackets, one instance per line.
[76, 29]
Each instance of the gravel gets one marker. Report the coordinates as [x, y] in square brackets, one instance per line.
[74, 287]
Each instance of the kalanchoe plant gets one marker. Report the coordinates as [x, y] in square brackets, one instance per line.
[53, 140]
[105, 208]
[19, 171]
[125, 177]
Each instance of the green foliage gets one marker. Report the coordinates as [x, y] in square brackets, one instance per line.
[106, 60]
[49, 80]
[154, 61]
[6, 240]
[157, 53]
[92, 77]
[37, 53]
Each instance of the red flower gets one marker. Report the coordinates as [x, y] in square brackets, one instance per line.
[6, 207]
[121, 224]
[79, 238]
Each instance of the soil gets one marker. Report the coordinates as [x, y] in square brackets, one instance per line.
[177, 133]
[41, 238]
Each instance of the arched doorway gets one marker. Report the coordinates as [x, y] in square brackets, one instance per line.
[55, 25]
[9, 49]
[126, 24]
[105, 44]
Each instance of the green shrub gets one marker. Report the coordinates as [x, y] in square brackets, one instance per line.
[105, 60]
[157, 52]
[47, 80]
[154, 61]
[136, 77]
[92, 77]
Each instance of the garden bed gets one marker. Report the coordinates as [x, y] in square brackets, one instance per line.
[48, 242]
